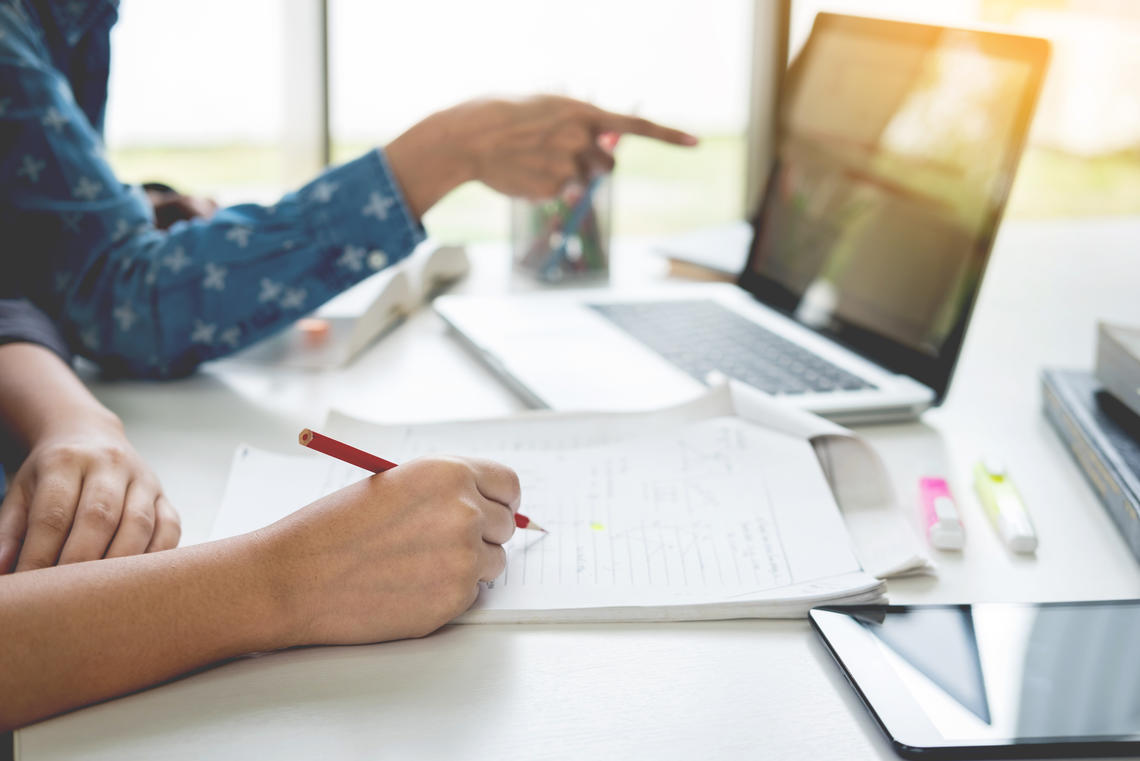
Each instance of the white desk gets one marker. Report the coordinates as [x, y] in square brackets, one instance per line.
[739, 689]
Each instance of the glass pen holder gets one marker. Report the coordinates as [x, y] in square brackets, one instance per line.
[565, 239]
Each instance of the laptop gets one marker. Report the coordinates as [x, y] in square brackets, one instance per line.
[897, 146]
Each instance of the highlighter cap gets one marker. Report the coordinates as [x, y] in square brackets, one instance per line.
[947, 535]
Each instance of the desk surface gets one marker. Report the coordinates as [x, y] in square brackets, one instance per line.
[731, 689]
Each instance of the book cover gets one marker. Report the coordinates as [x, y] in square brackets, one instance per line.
[1104, 438]
[1118, 363]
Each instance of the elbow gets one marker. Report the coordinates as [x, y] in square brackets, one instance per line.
[125, 342]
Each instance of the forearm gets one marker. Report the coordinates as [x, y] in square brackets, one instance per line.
[431, 159]
[38, 392]
[142, 301]
[78, 634]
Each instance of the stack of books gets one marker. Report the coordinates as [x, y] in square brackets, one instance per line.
[1097, 415]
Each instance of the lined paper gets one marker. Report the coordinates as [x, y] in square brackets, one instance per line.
[712, 518]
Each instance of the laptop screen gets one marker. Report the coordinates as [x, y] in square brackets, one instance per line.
[897, 146]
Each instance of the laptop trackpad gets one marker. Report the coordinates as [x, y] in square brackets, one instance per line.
[572, 358]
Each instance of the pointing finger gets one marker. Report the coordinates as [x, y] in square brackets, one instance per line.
[607, 121]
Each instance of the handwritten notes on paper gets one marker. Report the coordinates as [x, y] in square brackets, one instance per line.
[714, 518]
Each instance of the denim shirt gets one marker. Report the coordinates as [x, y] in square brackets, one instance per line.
[83, 246]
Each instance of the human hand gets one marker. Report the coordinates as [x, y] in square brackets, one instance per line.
[525, 148]
[170, 206]
[396, 555]
[83, 493]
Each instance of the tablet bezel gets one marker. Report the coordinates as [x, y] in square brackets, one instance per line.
[904, 723]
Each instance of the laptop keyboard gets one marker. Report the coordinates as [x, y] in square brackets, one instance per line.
[702, 336]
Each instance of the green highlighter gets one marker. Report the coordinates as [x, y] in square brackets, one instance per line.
[1004, 506]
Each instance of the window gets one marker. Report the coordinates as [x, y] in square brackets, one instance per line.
[212, 107]
[1084, 151]
[678, 62]
[234, 109]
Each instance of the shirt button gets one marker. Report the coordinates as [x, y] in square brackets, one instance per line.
[377, 259]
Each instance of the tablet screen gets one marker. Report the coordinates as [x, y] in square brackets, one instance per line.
[994, 674]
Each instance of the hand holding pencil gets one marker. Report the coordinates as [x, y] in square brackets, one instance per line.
[391, 556]
[361, 459]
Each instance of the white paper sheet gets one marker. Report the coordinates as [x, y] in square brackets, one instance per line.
[716, 518]
[880, 534]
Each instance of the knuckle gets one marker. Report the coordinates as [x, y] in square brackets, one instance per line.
[54, 520]
[62, 456]
[465, 521]
[449, 471]
[463, 474]
[168, 536]
[101, 515]
[144, 520]
[514, 485]
[115, 456]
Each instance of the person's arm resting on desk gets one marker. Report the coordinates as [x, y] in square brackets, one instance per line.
[82, 492]
[395, 555]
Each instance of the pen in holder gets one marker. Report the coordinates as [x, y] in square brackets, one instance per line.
[566, 238]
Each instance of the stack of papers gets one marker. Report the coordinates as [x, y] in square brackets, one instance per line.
[694, 512]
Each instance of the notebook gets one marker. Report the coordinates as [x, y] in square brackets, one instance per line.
[696, 512]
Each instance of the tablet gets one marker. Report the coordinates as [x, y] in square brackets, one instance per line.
[994, 680]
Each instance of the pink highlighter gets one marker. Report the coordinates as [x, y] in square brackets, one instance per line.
[943, 526]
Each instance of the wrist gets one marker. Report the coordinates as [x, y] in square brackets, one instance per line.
[40, 396]
[284, 587]
[84, 419]
[431, 159]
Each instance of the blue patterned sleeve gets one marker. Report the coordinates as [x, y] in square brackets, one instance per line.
[142, 301]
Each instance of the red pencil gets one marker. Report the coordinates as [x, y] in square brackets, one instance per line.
[362, 459]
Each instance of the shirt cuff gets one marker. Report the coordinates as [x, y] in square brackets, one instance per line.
[368, 210]
[20, 322]
[405, 211]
